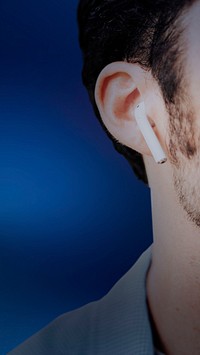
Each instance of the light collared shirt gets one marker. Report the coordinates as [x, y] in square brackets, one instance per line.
[116, 324]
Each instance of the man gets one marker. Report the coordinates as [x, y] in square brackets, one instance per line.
[145, 51]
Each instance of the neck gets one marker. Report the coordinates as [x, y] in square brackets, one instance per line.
[173, 282]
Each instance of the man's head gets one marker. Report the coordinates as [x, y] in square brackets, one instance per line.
[139, 51]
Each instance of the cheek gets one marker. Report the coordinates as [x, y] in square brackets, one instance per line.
[187, 186]
[182, 136]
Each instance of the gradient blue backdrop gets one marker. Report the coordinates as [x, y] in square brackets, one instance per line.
[73, 218]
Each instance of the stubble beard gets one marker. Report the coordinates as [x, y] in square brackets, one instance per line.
[184, 150]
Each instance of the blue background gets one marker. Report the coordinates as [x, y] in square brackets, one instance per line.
[73, 217]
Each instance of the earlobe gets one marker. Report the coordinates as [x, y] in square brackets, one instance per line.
[119, 89]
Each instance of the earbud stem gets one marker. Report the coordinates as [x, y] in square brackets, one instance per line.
[149, 135]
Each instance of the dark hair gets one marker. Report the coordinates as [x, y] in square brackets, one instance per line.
[137, 31]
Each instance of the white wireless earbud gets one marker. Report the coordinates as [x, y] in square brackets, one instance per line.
[149, 135]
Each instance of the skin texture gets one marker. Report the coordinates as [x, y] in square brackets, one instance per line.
[173, 281]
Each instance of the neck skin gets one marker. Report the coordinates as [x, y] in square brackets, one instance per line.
[173, 281]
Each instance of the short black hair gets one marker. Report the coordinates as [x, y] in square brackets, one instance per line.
[136, 31]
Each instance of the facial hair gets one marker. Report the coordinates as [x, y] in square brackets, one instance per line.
[184, 152]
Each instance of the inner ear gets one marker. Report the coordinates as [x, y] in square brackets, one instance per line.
[133, 97]
[123, 78]
[125, 104]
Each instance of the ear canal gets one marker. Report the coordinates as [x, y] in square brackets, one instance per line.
[149, 135]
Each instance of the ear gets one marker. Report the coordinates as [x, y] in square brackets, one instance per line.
[119, 88]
